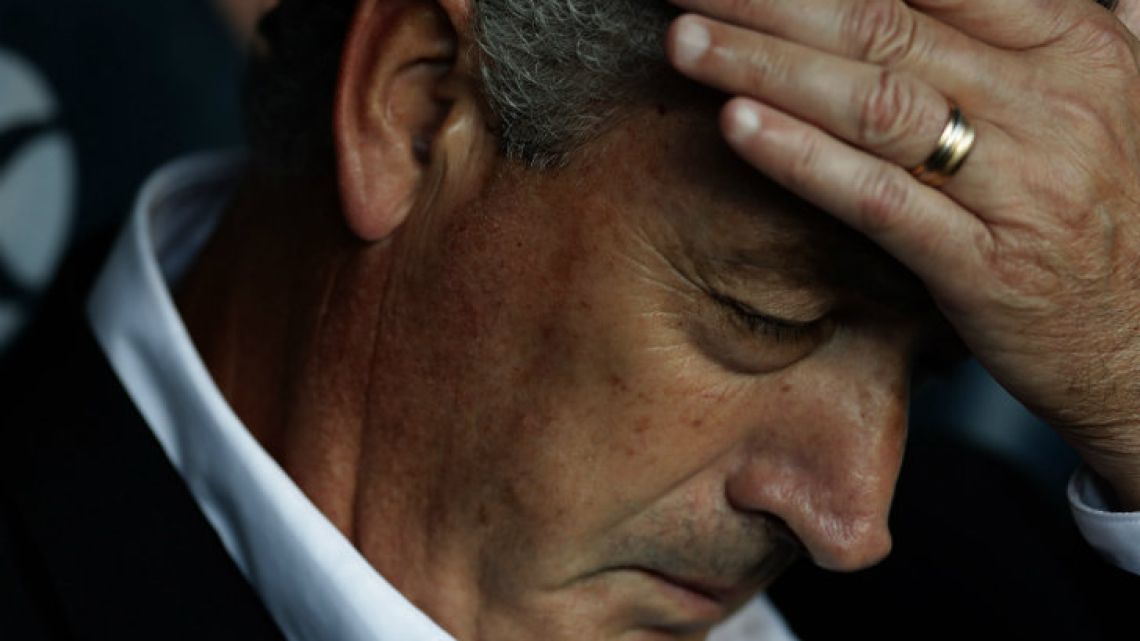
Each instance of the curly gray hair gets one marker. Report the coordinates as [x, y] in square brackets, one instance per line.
[554, 72]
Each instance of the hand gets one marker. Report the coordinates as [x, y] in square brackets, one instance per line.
[1032, 250]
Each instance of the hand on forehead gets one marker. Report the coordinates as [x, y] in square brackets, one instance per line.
[1029, 235]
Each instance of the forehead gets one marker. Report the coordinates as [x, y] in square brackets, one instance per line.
[791, 241]
[729, 219]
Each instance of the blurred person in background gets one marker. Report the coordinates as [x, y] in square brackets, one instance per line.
[92, 97]
[243, 16]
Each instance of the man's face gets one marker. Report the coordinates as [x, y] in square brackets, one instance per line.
[644, 382]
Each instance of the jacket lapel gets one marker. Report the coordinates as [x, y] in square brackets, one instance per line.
[103, 522]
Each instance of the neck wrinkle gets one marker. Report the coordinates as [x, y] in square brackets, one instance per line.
[276, 307]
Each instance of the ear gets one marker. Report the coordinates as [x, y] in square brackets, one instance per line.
[395, 98]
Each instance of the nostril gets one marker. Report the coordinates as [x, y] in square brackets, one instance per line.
[779, 530]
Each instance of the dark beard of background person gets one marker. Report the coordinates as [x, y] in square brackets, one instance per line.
[243, 16]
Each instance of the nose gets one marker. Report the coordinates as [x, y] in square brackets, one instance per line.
[824, 458]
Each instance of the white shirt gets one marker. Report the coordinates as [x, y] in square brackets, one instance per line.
[313, 581]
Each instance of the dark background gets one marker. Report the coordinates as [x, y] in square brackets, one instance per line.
[138, 82]
[135, 83]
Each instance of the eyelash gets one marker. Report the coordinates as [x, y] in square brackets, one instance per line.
[763, 325]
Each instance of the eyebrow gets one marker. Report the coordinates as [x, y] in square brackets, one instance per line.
[795, 241]
[813, 250]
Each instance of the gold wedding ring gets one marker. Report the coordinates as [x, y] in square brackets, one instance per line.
[955, 144]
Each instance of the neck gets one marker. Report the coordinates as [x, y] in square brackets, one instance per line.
[285, 307]
[265, 305]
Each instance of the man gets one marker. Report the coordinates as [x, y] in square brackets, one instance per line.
[242, 17]
[521, 349]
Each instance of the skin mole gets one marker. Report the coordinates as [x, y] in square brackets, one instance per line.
[619, 383]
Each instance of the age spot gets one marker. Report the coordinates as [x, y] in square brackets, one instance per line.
[619, 383]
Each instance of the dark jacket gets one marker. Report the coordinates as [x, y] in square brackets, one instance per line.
[99, 536]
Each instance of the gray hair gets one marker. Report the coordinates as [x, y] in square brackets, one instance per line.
[554, 73]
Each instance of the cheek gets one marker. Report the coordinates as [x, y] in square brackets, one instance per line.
[558, 366]
[628, 406]
[496, 330]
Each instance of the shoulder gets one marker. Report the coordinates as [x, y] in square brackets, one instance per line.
[97, 530]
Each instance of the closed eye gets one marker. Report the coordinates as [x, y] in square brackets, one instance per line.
[765, 325]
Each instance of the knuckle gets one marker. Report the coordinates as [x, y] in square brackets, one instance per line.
[746, 9]
[767, 68]
[805, 165]
[1084, 117]
[1108, 45]
[1018, 275]
[1093, 123]
[883, 200]
[880, 31]
[889, 111]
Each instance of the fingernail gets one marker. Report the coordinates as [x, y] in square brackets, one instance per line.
[744, 122]
[691, 39]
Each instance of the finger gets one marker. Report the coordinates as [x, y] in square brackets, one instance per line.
[938, 240]
[1009, 24]
[894, 115]
[882, 32]
[1128, 11]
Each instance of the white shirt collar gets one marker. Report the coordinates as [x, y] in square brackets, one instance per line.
[314, 583]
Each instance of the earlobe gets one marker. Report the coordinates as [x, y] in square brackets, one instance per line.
[389, 109]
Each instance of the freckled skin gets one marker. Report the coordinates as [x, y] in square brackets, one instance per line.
[560, 369]
[549, 399]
